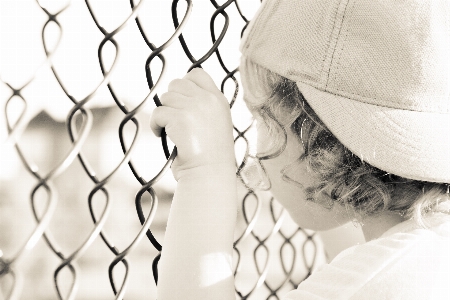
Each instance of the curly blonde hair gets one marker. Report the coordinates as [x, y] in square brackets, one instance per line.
[353, 182]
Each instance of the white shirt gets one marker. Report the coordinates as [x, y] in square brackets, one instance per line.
[406, 262]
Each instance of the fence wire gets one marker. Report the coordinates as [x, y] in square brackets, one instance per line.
[265, 236]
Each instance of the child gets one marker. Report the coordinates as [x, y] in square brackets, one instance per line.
[352, 100]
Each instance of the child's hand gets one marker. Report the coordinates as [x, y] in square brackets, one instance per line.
[196, 117]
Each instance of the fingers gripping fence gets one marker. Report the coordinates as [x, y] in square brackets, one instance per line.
[266, 241]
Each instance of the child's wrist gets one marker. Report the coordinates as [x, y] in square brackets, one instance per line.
[211, 189]
[209, 171]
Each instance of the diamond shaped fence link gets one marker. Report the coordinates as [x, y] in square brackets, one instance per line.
[252, 278]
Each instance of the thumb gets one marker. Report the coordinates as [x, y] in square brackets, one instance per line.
[203, 80]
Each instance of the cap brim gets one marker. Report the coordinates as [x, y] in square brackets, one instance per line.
[407, 143]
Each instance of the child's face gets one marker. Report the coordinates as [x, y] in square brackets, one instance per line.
[307, 214]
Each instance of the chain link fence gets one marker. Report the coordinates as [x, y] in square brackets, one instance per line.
[85, 187]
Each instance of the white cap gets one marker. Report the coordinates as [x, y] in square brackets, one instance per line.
[376, 72]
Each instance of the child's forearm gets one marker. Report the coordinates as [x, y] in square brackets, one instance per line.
[196, 260]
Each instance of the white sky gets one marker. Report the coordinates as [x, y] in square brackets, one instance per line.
[76, 61]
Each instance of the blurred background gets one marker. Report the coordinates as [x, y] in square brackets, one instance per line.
[45, 142]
